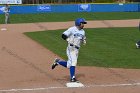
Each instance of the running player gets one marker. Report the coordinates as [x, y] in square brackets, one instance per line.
[74, 36]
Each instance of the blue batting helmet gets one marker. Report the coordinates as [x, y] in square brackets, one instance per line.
[78, 21]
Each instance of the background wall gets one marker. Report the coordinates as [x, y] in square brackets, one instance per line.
[19, 9]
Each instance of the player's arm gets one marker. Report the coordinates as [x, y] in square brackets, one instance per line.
[84, 40]
[4, 9]
[64, 36]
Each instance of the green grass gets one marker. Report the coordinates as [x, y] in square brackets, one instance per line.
[60, 17]
[106, 47]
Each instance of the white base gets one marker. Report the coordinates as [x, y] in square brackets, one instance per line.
[74, 84]
[3, 29]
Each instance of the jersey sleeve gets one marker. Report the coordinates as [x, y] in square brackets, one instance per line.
[67, 32]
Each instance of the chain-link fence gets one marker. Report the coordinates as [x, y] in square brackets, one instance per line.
[56, 1]
[74, 1]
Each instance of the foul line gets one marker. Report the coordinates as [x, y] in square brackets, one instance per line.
[49, 88]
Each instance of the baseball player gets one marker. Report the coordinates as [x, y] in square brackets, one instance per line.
[75, 36]
[7, 11]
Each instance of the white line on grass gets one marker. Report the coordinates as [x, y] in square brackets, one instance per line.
[89, 86]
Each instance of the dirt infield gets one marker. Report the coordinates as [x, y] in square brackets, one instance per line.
[25, 65]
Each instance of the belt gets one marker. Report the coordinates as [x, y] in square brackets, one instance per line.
[75, 46]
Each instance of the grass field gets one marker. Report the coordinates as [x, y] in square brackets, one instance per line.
[106, 47]
[59, 17]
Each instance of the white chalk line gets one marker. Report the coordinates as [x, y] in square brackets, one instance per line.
[89, 86]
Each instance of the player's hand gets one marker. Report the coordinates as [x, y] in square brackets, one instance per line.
[84, 42]
[67, 39]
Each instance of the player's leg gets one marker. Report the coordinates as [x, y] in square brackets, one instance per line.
[71, 56]
[59, 62]
[62, 63]
[72, 74]
[65, 63]
[74, 56]
[6, 18]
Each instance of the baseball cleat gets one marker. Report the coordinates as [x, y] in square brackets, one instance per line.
[74, 80]
[55, 63]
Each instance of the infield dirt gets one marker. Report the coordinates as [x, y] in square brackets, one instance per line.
[25, 65]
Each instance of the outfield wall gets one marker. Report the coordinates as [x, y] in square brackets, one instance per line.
[20, 9]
